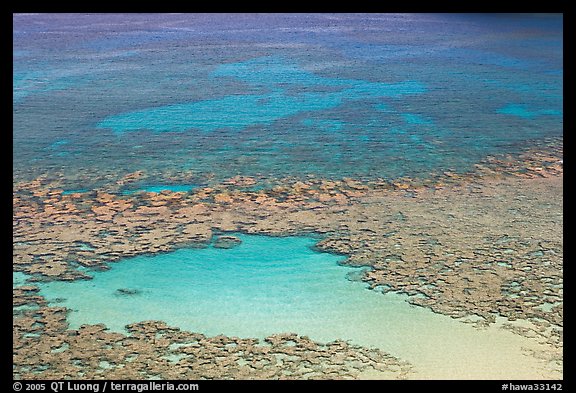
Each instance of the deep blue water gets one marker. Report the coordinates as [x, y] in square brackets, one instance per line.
[279, 95]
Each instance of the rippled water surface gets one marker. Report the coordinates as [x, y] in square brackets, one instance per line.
[284, 94]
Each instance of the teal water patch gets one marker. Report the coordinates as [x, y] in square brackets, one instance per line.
[27, 83]
[213, 290]
[85, 247]
[232, 112]
[382, 107]
[59, 143]
[279, 90]
[268, 285]
[411, 118]
[157, 188]
[523, 111]
[23, 83]
[19, 279]
[75, 191]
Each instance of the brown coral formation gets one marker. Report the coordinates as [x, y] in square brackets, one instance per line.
[45, 349]
[487, 243]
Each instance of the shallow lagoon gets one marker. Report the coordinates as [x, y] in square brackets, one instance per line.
[270, 285]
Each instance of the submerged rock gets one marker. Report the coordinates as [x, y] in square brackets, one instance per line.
[227, 242]
[128, 291]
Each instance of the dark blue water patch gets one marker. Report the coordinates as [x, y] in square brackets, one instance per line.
[324, 124]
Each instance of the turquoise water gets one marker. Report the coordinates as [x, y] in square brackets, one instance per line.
[156, 188]
[234, 291]
[289, 95]
[18, 279]
[521, 111]
[76, 191]
[333, 95]
[271, 285]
